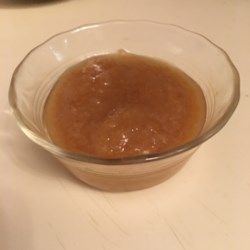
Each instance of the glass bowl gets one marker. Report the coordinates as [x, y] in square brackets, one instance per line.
[200, 58]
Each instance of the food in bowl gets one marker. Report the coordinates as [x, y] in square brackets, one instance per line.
[123, 105]
[208, 65]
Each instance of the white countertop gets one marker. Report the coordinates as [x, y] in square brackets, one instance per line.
[206, 206]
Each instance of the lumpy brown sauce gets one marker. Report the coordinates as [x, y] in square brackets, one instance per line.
[121, 105]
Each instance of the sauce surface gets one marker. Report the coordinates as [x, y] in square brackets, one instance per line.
[121, 105]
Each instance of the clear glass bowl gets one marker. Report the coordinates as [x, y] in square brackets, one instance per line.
[200, 58]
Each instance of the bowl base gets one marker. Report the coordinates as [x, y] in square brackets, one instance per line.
[114, 183]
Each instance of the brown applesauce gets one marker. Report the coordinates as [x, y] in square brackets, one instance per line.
[121, 105]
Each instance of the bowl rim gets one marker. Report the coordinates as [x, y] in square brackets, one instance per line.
[58, 151]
